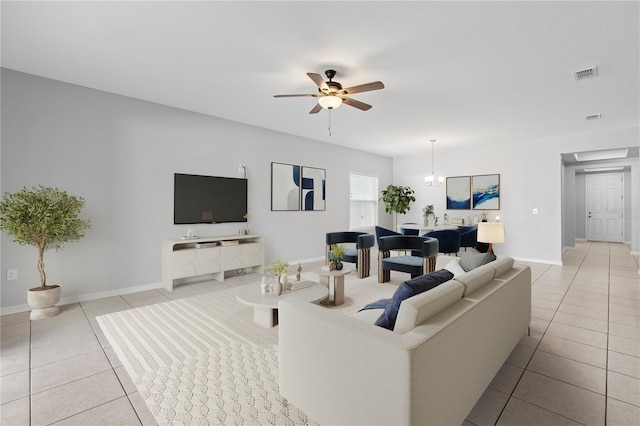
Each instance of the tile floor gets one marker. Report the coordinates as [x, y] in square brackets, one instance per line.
[581, 364]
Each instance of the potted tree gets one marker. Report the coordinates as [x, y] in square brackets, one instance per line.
[45, 218]
[397, 199]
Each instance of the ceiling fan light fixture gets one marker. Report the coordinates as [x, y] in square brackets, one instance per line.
[330, 101]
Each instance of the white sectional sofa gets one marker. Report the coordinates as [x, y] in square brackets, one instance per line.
[447, 345]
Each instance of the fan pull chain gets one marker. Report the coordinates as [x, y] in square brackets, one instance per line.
[329, 122]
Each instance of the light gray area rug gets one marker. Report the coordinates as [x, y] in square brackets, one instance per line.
[202, 359]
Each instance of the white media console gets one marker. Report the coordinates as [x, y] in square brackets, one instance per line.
[211, 255]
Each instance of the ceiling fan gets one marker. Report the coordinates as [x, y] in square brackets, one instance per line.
[331, 94]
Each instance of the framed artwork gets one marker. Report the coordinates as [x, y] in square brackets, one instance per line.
[459, 193]
[285, 187]
[485, 190]
[313, 188]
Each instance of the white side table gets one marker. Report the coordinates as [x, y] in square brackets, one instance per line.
[265, 305]
[334, 281]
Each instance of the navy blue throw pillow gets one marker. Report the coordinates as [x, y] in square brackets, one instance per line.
[407, 289]
[378, 304]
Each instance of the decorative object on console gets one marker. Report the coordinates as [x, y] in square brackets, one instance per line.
[45, 218]
[431, 179]
[486, 192]
[298, 270]
[459, 193]
[457, 221]
[246, 227]
[313, 189]
[285, 187]
[426, 212]
[490, 232]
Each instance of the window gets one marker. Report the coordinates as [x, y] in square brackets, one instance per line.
[364, 200]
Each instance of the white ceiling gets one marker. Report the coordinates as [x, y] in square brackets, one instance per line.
[458, 72]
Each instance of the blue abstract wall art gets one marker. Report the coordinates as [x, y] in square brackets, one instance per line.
[459, 193]
[485, 191]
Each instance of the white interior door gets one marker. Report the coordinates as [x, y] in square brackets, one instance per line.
[604, 207]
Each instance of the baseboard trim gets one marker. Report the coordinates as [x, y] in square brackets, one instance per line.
[85, 297]
[544, 261]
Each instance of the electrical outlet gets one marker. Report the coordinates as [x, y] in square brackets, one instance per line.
[12, 274]
[535, 211]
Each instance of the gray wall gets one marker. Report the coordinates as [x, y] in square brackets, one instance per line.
[120, 154]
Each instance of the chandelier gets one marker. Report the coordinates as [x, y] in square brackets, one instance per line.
[431, 179]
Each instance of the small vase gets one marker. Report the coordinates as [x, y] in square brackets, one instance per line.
[426, 222]
[277, 288]
[339, 266]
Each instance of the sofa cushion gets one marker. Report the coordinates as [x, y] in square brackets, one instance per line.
[418, 309]
[502, 265]
[475, 279]
[454, 267]
[471, 260]
[408, 289]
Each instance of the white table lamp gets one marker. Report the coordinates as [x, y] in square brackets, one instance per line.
[490, 232]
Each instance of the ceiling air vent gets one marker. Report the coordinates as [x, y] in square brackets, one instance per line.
[586, 73]
[593, 117]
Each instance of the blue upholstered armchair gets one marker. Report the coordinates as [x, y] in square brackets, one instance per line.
[468, 236]
[360, 255]
[449, 240]
[424, 251]
[384, 232]
[409, 231]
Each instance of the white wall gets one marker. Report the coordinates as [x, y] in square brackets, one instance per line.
[120, 154]
[530, 177]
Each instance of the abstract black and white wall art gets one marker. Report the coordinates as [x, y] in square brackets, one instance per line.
[285, 187]
[313, 188]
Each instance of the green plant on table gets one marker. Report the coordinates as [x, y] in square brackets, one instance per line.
[278, 267]
[337, 252]
[428, 211]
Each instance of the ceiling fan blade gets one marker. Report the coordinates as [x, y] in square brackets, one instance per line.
[296, 96]
[374, 85]
[316, 109]
[356, 104]
[319, 81]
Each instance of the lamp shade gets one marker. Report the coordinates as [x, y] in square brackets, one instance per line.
[491, 232]
[330, 101]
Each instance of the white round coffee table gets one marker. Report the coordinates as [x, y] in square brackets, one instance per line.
[334, 281]
[265, 305]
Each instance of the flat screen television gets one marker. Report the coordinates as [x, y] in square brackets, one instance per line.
[208, 199]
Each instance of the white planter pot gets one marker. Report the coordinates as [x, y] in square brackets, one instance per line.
[44, 302]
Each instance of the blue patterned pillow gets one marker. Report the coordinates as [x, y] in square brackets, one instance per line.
[407, 289]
